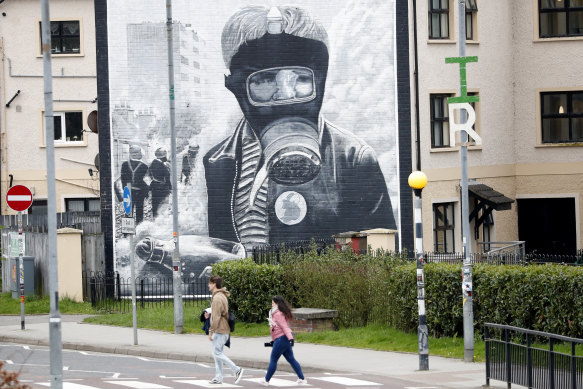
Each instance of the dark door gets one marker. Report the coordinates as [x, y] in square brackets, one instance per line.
[547, 225]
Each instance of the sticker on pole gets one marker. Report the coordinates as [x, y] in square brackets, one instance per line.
[19, 198]
[127, 200]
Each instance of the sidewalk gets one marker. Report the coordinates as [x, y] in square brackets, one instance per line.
[248, 352]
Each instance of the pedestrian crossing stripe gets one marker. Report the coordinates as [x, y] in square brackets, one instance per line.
[274, 382]
[207, 384]
[346, 381]
[139, 385]
[69, 385]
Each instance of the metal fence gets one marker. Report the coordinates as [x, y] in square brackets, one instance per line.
[89, 222]
[109, 292]
[512, 358]
[273, 253]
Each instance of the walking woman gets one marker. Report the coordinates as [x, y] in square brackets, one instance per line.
[283, 339]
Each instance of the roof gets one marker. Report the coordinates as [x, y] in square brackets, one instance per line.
[491, 197]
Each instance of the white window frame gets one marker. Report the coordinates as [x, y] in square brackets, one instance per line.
[63, 142]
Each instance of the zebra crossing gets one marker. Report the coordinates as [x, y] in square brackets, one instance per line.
[162, 382]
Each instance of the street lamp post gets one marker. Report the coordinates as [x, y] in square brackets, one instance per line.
[418, 181]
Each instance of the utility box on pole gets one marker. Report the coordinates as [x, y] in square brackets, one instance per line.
[15, 276]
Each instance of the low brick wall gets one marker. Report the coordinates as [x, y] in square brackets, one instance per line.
[312, 319]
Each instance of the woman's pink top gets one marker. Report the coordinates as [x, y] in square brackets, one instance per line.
[282, 327]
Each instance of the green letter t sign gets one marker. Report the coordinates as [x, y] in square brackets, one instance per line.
[462, 102]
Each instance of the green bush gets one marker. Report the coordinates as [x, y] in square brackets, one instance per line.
[251, 286]
[382, 290]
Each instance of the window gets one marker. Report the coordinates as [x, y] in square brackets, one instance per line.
[562, 117]
[471, 19]
[560, 18]
[443, 228]
[65, 37]
[82, 205]
[438, 19]
[439, 120]
[38, 207]
[68, 126]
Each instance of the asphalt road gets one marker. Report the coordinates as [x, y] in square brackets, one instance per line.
[87, 370]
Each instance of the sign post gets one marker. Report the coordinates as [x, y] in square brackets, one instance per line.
[128, 227]
[19, 198]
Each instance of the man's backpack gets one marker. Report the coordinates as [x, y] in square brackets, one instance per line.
[231, 319]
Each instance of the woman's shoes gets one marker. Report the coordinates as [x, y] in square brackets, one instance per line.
[263, 382]
[302, 382]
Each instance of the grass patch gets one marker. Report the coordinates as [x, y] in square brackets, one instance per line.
[373, 337]
[35, 305]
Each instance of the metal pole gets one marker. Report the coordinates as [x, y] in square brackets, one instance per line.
[422, 332]
[133, 275]
[21, 269]
[176, 267]
[56, 352]
[467, 266]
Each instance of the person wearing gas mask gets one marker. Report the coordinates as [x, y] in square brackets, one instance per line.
[286, 173]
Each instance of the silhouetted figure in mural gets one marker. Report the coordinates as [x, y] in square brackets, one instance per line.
[161, 186]
[189, 163]
[133, 172]
[283, 153]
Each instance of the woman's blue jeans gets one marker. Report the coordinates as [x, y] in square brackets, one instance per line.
[282, 346]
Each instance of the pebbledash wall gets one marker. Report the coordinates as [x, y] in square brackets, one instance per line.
[299, 132]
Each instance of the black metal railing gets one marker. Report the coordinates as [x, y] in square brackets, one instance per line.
[513, 357]
[272, 253]
[110, 292]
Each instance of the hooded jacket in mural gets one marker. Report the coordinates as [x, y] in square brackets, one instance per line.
[348, 194]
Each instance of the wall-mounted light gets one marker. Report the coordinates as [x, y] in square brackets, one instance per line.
[13, 97]
[90, 172]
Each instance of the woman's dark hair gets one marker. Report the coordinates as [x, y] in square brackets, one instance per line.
[283, 306]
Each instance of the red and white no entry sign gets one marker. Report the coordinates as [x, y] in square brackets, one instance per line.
[19, 198]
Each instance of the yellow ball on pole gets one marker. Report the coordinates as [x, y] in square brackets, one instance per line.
[417, 180]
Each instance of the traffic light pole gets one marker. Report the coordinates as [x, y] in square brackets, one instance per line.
[55, 341]
[468, 311]
[176, 266]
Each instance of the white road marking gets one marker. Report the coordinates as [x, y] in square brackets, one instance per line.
[70, 385]
[8, 361]
[206, 384]
[346, 381]
[138, 384]
[277, 382]
[177, 378]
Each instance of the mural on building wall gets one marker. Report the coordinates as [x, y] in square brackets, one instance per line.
[285, 121]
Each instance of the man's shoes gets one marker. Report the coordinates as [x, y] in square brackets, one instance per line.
[302, 382]
[263, 382]
[215, 381]
[238, 375]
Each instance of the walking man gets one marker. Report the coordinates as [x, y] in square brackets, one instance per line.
[219, 330]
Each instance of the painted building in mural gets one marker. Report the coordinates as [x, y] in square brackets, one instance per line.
[286, 120]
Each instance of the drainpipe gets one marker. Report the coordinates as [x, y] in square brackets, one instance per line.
[416, 77]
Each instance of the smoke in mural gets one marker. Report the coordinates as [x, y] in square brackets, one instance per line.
[285, 121]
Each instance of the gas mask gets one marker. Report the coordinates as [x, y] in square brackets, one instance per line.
[290, 144]
[279, 82]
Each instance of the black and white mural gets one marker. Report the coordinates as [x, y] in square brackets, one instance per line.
[286, 123]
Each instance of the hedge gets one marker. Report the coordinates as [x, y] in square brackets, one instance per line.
[382, 290]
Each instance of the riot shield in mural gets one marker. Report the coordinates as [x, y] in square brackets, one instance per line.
[285, 119]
